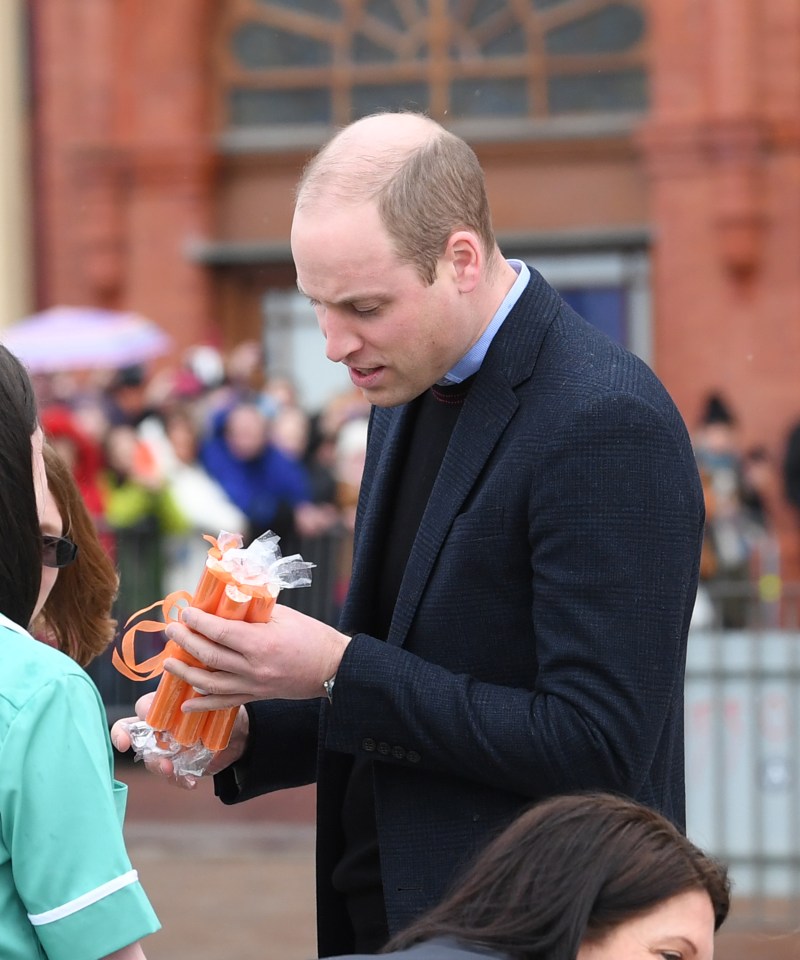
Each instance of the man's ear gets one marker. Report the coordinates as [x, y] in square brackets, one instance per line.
[465, 253]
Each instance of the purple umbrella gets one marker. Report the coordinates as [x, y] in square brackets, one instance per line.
[84, 338]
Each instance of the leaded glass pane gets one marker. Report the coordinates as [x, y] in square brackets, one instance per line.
[366, 51]
[483, 9]
[329, 9]
[397, 96]
[388, 13]
[353, 45]
[482, 98]
[610, 30]
[510, 43]
[258, 47]
[598, 92]
[262, 108]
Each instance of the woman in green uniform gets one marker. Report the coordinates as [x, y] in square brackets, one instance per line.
[67, 888]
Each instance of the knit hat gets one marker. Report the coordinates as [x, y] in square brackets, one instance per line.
[717, 411]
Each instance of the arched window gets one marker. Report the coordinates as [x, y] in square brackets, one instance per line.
[298, 62]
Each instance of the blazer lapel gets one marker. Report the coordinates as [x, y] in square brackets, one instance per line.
[489, 406]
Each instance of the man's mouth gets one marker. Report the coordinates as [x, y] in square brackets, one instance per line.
[365, 377]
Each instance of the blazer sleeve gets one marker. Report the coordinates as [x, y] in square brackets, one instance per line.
[281, 752]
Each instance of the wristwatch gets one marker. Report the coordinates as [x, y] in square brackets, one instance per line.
[327, 686]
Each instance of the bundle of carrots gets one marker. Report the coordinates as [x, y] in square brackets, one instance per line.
[236, 583]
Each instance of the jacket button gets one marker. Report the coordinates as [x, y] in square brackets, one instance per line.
[384, 748]
[398, 753]
[413, 756]
[368, 745]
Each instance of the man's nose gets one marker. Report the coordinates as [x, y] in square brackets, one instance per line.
[340, 339]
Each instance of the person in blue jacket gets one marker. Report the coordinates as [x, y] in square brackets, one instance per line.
[263, 482]
[67, 887]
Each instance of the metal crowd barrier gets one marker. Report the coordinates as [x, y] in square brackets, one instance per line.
[742, 747]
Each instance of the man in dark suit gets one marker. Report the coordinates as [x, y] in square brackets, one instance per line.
[527, 546]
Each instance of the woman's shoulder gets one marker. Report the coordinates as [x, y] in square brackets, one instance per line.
[27, 665]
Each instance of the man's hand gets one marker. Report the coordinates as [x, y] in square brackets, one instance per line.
[288, 658]
[121, 739]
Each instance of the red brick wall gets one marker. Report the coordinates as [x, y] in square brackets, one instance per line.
[124, 156]
[722, 148]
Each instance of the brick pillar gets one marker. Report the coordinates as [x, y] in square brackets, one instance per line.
[172, 163]
[722, 148]
[125, 156]
[74, 46]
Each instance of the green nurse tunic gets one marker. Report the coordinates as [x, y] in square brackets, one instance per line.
[67, 889]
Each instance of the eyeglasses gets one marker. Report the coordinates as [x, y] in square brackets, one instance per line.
[58, 551]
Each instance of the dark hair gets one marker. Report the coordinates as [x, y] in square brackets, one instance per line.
[77, 614]
[717, 411]
[567, 871]
[20, 534]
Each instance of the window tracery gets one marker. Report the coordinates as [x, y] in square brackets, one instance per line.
[331, 61]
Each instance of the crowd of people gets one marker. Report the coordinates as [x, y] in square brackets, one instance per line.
[163, 457]
[740, 568]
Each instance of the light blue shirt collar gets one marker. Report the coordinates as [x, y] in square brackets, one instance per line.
[471, 361]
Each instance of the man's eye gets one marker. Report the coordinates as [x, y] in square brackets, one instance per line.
[368, 312]
[671, 955]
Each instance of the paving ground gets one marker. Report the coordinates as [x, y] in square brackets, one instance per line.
[237, 883]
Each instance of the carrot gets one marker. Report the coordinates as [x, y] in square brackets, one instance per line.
[185, 728]
[233, 603]
[217, 592]
[165, 710]
[216, 731]
[260, 609]
[209, 588]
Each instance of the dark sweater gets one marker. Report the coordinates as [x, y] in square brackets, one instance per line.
[358, 874]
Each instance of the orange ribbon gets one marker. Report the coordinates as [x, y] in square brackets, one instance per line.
[154, 666]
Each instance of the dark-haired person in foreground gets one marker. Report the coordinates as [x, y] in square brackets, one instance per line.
[583, 877]
[67, 888]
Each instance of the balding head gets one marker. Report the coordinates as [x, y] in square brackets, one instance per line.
[357, 163]
[425, 181]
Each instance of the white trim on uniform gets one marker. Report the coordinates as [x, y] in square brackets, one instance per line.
[85, 900]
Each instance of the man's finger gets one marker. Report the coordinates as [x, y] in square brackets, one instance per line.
[203, 681]
[215, 628]
[143, 705]
[120, 735]
[214, 655]
[215, 702]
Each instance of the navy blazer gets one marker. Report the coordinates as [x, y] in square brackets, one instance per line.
[538, 642]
